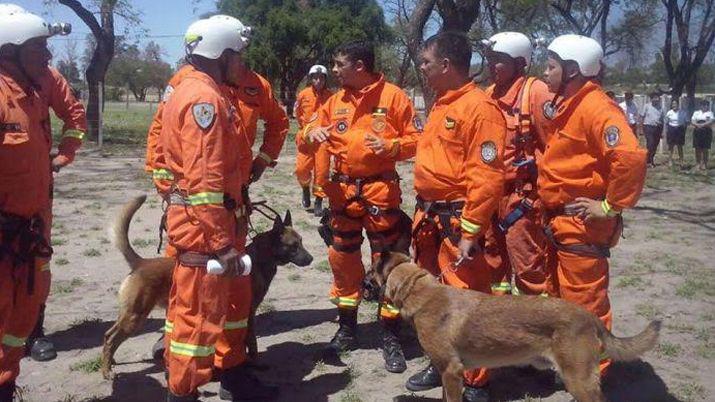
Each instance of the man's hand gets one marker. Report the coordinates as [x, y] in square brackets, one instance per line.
[585, 208]
[229, 261]
[467, 249]
[257, 168]
[319, 134]
[375, 144]
[58, 162]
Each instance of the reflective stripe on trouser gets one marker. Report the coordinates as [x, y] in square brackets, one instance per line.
[197, 309]
[526, 247]
[347, 266]
[231, 344]
[19, 312]
[497, 259]
[307, 171]
[474, 274]
[580, 279]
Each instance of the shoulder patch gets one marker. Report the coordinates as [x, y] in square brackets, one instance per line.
[251, 91]
[612, 136]
[204, 114]
[417, 122]
[489, 151]
[167, 93]
[449, 123]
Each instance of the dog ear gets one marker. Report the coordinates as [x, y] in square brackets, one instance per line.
[278, 225]
[382, 259]
[288, 220]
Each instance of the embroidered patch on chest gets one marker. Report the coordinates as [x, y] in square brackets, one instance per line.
[489, 151]
[449, 123]
[341, 126]
[549, 110]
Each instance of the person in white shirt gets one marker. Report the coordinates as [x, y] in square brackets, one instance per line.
[702, 120]
[652, 119]
[631, 110]
[676, 119]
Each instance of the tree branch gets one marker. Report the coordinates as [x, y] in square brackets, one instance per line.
[85, 15]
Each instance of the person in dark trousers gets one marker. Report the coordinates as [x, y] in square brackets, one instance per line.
[676, 131]
[653, 119]
[702, 120]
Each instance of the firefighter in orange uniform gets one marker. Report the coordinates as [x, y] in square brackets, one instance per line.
[592, 169]
[309, 101]
[459, 180]
[201, 219]
[521, 100]
[29, 88]
[366, 127]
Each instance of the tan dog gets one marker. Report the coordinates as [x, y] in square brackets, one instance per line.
[148, 284]
[463, 329]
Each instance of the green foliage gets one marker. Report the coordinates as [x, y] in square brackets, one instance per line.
[290, 36]
[138, 70]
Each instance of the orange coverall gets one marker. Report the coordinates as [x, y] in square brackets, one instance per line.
[524, 251]
[380, 109]
[307, 105]
[206, 163]
[26, 191]
[591, 153]
[459, 161]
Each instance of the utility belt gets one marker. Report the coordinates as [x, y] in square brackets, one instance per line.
[359, 183]
[22, 241]
[582, 249]
[444, 211]
[230, 204]
[193, 259]
[524, 207]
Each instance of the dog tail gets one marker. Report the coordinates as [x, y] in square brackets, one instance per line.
[120, 231]
[626, 349]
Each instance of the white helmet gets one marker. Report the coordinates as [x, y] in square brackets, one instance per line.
[17, 26]
[513, 44]
[9, 8]
[318, 69]
[211, 36]
[585, 51]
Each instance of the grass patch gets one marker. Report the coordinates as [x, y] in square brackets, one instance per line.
[92, 252]
[61, 261]
[64, 287]
[668, 349]
[104, 240]
[697, 284]
[142, 242]
[58, 242]
[294, 277]
[323, 266]
[88, 366]
[646, 310]
[629, 281]
[266, 307]
[691, 392]
[350, 396]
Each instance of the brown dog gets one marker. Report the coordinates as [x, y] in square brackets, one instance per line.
[462, 329]
[149, 281]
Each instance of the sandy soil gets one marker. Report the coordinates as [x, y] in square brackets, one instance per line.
[664, 268]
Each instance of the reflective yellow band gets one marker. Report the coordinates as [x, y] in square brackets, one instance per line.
[13, 341]
[501, 287]
[344, 302]
[469, 227]
[265, 157]
[205, 198]
[390, 308]
[45, 267]
[603, 356]
[236, 324]
[317, 188]
[162, 174]
[168, 326]
[186, 349]
[74, 134]
[608, 209]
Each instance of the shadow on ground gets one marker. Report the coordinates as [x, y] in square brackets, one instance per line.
[90, 334]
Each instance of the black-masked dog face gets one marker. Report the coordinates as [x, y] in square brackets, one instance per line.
[288, 246]
[377, 276]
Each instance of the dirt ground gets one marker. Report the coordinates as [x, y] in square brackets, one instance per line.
[662, 269]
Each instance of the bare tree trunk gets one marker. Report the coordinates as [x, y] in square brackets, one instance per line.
[414, 32]
[102, 56]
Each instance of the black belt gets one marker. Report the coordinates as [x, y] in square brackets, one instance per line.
[444, 211]
[582, 249]
[347, 179]
[22, 241]
[440, 207]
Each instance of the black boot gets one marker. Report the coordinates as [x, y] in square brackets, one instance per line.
[239, 384]
[39, 347]
[158, 349]
[475, 394]
[426, 379]
[318, 208]
[345, 337]
[306, 197]
[391, 348]
[185, 398]
[6, 391]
